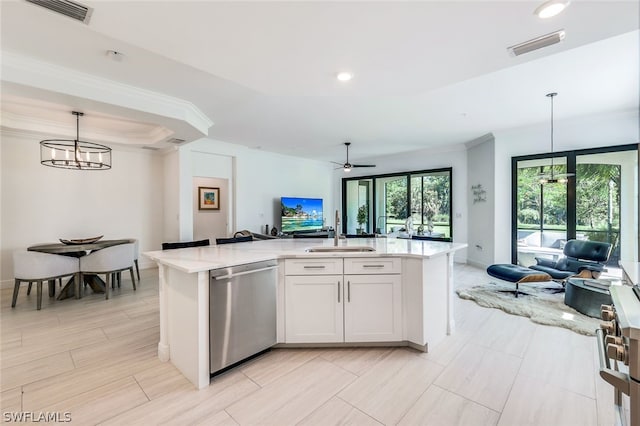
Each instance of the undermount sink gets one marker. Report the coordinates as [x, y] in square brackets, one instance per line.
[340, 249]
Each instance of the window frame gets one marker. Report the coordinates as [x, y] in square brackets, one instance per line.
[571, 156]
[407, 175]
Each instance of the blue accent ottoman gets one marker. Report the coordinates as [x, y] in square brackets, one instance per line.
[517, 274]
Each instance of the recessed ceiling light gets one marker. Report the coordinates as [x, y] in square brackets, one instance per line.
[551, 8]
[344, 76]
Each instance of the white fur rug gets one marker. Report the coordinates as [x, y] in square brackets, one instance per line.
[541, 306]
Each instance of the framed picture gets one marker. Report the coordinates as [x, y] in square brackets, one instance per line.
[209, 198]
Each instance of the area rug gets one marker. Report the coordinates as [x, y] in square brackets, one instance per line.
[540, 305]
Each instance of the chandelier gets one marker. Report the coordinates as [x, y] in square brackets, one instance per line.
[75, 154]
[553, 177]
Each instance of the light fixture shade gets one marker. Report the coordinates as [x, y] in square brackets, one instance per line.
[74, 153]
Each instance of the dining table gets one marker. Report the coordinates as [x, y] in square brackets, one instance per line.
[96, 283]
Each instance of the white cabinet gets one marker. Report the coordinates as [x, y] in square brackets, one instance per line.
[373, 308]
[363, 305]
[313, 309]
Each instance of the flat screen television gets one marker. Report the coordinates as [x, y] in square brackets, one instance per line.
[301, 214]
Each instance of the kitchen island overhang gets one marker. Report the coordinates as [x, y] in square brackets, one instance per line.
[426, 291]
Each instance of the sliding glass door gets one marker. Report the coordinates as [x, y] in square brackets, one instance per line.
[541, 209]
[359, 209]
[592, 195]
[391, 200]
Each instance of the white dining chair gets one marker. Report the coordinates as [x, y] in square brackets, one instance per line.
[31, 266]
[136, 250]
[109, 261]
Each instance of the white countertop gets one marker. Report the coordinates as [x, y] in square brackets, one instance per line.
[198, 259]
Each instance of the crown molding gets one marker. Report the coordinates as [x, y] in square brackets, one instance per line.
[46, 76]
[54, 129]
[488, 137]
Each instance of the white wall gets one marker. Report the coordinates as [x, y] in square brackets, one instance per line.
[451, 156]
[257, 181]
[42, 204]
[171, 229]
[481, 214]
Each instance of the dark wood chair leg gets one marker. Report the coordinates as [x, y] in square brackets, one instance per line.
[133, 280]
[29, 289]
[137, 269]
[16, 289]
[77, 279]
[52, 287]
[106, 286]
[119, 274]
[39, 294]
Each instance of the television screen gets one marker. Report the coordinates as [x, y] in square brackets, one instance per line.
[301, 214]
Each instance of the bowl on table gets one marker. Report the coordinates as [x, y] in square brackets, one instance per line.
[81, 240]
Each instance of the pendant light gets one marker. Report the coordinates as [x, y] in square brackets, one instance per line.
[553, 177]
[75, 154]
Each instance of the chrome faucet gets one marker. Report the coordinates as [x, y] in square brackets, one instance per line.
[335, 233]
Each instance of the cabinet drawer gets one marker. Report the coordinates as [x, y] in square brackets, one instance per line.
[313, 266]
[376, 265]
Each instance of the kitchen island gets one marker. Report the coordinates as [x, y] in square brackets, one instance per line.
[407, 287]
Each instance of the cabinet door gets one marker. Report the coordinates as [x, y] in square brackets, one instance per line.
[373, 308]
[313, 309]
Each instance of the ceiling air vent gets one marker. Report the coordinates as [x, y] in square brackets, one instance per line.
[175, 141]
[151, 148]
[537, 43]
[68, 8]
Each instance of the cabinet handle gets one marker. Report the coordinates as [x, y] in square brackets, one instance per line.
[314, 267]
[338, 291]
[349, 291]
[373, 266]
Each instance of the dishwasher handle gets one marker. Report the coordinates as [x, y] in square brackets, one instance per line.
[238, 274]
[244, 269]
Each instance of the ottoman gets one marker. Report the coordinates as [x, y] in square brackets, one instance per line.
[517, 274]
[586, 298]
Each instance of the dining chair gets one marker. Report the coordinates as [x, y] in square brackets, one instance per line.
[220, 241]
[31, 266]
[136, 250]
[109, 261]
[185, 244]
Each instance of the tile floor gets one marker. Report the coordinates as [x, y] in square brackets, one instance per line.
[96, 360]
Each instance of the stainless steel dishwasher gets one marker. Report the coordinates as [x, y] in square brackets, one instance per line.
[242, 312]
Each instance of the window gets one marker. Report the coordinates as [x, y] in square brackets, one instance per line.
[597, 203]
[389, 200]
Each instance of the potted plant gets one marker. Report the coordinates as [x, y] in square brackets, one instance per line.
[362, 217]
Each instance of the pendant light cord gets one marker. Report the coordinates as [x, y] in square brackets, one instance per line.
[551, 95]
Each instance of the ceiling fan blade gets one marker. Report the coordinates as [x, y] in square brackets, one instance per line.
[363, 165]
[339, 164]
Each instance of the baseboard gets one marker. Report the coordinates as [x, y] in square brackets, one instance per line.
[477, 264]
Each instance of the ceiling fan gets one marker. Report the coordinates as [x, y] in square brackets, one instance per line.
[347, 166]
